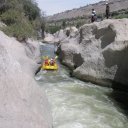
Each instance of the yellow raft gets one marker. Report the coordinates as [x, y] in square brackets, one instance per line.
[49, 64]
[49, 67]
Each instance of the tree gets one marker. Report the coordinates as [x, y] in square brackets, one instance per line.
[63, 24]
[22, 17]
[31, 9]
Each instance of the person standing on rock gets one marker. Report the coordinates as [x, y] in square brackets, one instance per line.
[107, 10]
[93, 16]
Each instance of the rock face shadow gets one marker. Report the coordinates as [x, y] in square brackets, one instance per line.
[120, 84]
[120, 59]
[121, 100]
[106, 35]
[77, 60]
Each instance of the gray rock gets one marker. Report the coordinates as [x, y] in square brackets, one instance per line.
[99, 53]
[64, 35]
[49, 38]
[23, 103]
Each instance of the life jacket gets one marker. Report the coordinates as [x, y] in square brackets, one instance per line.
[46, 62]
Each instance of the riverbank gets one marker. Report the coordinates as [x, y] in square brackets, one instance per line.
[23, 103]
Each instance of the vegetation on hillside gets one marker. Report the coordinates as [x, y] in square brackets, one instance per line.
[120, 14]
[22, 17]
[53, 26]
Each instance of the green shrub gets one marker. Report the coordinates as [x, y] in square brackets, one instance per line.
[53, 29]
[11, 17]
[31, 9]
[20, 30]
[121, 16]
[64, 24]
[22, 17]
[114, 13]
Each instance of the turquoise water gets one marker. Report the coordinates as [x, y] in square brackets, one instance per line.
[77, 104]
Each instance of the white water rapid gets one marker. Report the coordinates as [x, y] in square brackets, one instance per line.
[77, 104]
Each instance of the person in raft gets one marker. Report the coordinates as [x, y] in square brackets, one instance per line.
[52, 62]
[46, 61]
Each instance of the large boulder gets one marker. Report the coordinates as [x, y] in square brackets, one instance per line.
[49, 38]
[99, 53]
[23, 103]
[60, 36]
[65, 34]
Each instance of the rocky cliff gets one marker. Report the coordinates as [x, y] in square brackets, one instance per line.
[23, 103]
[98, 52]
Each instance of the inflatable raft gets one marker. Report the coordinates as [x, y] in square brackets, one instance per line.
[50, 64]
[50, 67]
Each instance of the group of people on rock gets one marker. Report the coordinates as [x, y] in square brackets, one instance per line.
[94, 16]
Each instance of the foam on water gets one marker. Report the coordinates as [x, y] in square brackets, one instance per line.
[77, 104]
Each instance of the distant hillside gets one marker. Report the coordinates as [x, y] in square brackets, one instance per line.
[115, 5]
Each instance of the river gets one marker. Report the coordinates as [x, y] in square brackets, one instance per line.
[77, 104]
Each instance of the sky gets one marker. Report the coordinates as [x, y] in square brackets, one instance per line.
[50, 7]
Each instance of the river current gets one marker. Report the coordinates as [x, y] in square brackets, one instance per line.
[77, 104]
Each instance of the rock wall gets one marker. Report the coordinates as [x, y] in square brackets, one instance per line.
[99, 53]
[23, 103]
